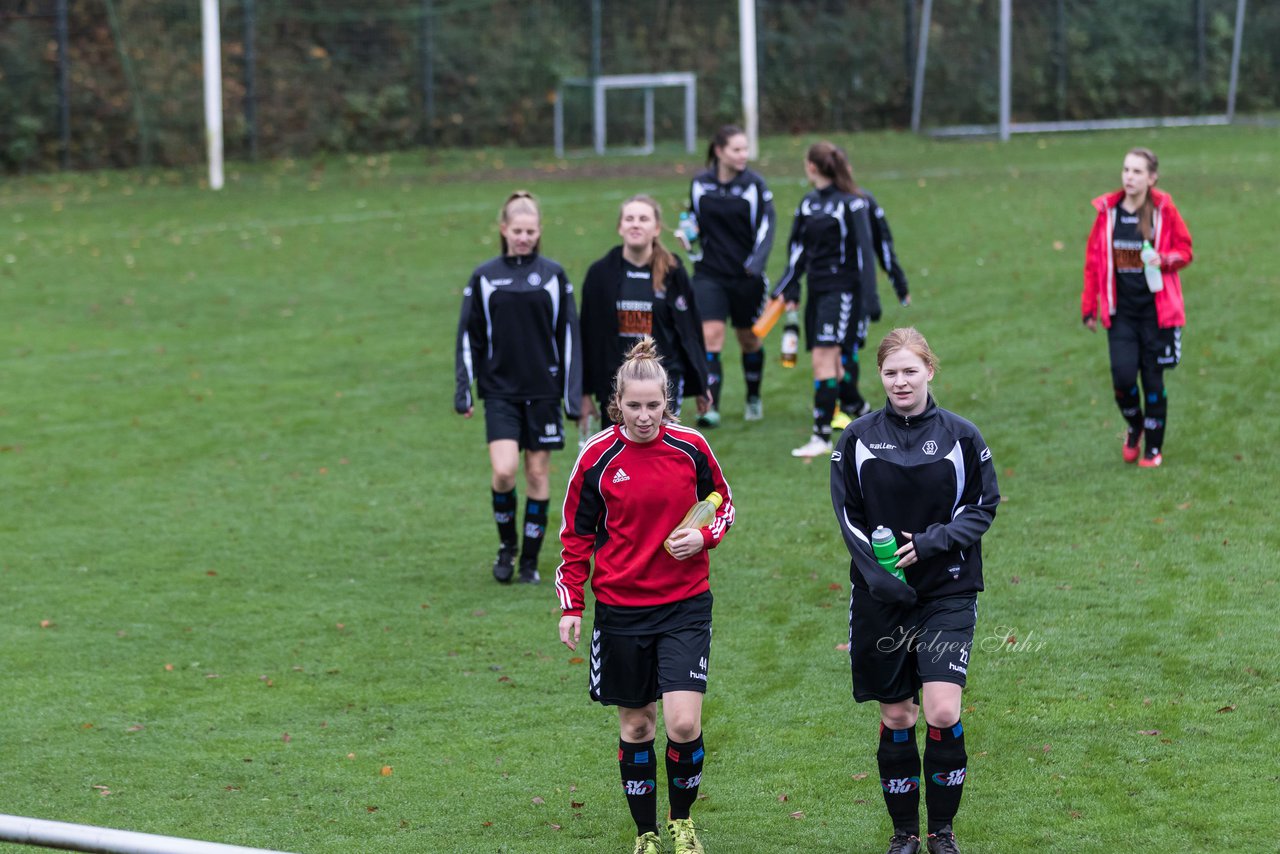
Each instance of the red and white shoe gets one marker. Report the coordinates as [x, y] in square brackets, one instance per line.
[1151, 461]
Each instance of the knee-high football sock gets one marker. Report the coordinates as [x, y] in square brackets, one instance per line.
[851, 400]
[640, 784]
[684, 774]
[715, 373]
[535, 528]
[753, 371]
[1130, 407]
[944, 769]
[504, 513]
[899, 761]
[824, 407]
[1153, 424]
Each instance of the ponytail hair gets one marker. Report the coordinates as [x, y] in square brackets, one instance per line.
[720, 140]
[519, 202]
[830, 161]
[661, 261]
[642, 364]
[1146, 213]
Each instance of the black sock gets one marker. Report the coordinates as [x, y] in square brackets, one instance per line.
[639, 782]
[753, 371]
[850, 399]
[1153, 424]
[504, 513]
[824, 407]
[684, 774]
[715, 372]
[899, 761]
[944, 770]
[535, 528]
[1130, 407]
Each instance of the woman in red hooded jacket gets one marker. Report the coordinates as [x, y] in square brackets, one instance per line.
[1138, 226]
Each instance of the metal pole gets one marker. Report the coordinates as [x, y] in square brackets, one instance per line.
[1235, 61]
[648, 120]
[427, 35]
[212, 52]
[922, 56]
[250, 78]
[83, 837]
[750, 92]
[1006, 41]
[597, 93]
[1060, 57]
[557, 122]
[64, 90]
[691, 116]
[1200, 55]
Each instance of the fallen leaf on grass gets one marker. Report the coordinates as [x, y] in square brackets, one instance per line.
[486, 824]
[135, 728]
[46, 624]
[232, 788]
[371, 808]
[504, 678]
[286, 738]
[1148, 732]
[537, 802]
[1046, 748]
[168, 667]
[577, 659]
[1226, 709]
[554, 826]
[386, 770]
[861, 776]
[103, 790]
[834, 586]
[782, 799]
[798, 814]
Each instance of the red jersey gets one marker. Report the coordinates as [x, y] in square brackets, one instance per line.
[623, 501]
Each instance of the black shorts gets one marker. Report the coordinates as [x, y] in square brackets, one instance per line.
[740, 299]
[633, 670]
[829, 319]
[535, 425]
[893, 651]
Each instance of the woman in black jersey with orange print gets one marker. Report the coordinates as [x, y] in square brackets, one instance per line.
[518, 341]
[926, 476]
[651, 638]
[640, 289]
[733, 208]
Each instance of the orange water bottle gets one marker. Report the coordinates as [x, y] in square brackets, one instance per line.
[769, 317]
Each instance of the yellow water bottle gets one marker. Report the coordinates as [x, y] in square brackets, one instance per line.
[700, 515]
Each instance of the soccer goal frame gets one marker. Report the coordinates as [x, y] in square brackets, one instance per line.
[601, 85]
[1005, 127]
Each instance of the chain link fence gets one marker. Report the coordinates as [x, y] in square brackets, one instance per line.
[107, 83]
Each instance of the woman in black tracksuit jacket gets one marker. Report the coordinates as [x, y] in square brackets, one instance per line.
[518, 342]
[831, 243]
[926, 475]
[636, 290]
[733, 209]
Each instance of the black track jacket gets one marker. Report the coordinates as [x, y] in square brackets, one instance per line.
[677, 327]
[736, 222]
[518, 334]
[929, 475]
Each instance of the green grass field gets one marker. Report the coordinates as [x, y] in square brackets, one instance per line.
[245, 543]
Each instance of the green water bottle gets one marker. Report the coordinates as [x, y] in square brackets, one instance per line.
[884, 544]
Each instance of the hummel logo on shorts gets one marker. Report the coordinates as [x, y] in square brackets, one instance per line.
[621, 476]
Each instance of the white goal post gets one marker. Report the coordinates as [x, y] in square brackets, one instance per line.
[646, 82]
[1005, 126]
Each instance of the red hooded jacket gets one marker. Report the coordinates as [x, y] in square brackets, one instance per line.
[1173, 242]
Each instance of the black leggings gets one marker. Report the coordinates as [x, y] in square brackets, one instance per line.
[1136, 345]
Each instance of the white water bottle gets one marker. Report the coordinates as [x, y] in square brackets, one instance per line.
[1151, 268]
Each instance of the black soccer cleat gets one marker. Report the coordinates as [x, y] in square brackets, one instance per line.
[505, 564]
[903, 843]
[529, 571]
[943, 842]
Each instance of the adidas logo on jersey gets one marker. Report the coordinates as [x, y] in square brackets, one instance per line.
[621, 476]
